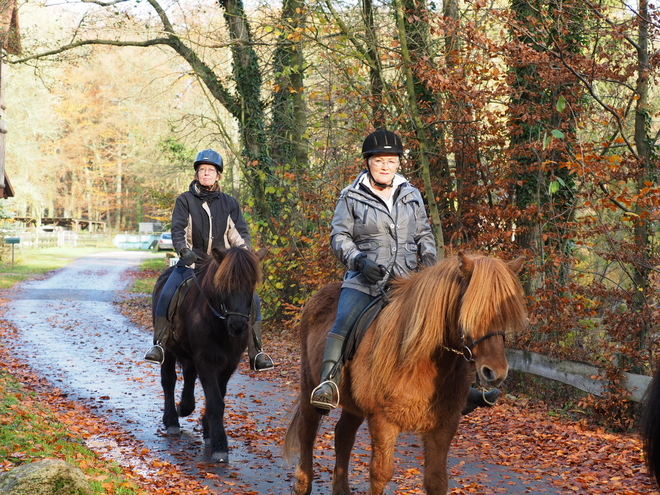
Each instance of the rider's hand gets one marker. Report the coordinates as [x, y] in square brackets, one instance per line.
[429, 260]
[372, 271]
[188, 256]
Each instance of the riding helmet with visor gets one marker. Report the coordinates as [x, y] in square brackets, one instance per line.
[382, 141]
[211, 157]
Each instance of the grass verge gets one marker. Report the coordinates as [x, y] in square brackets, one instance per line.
[29, 431]
[148, 272]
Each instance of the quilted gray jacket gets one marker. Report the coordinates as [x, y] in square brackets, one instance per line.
[399, 239]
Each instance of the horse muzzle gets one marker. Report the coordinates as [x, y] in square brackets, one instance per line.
[492, 376]
[237, 325]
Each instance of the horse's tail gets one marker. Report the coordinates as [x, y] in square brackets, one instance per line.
[291, 440]
[651, 427]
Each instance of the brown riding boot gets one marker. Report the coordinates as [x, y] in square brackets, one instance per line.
[161, 329]
[325, 396]
[259, 360]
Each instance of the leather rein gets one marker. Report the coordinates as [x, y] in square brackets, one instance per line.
[222, 313]
[466, 350]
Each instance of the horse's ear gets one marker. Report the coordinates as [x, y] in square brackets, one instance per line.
[218, 254]
[516, 264]
[261, 254]
[465, 264]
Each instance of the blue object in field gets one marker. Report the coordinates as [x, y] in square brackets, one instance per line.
[134, 241]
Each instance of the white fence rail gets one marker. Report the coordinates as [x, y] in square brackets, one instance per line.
[39, 240]
[579, 375]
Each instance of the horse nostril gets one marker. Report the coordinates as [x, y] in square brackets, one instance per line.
[237, 327]
[488, 374]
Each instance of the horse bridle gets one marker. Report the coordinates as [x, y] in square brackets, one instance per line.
[466, 350]
[223, 313]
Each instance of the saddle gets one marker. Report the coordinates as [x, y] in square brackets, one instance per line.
[176, 301]
[360, 327]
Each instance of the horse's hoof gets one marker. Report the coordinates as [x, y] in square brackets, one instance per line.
[185, 410]
[222, 456]
[173, 431]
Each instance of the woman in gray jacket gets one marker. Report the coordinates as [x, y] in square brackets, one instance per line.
[380, 230]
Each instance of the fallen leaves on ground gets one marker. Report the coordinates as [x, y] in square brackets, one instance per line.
[516, 436]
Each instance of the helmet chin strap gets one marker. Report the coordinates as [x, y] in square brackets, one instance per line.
[374, 182]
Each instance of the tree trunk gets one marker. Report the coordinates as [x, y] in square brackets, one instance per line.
[377, 101]
[289, 121]
[425, 146]
[646, 174]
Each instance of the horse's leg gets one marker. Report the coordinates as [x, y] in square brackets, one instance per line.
[213, 420]
[168, 382]
[345, 432]
[383, 436]
[187, 403]
[307, 427]
[436, 449]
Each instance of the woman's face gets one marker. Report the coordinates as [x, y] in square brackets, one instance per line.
[383, 166]
[207, 175]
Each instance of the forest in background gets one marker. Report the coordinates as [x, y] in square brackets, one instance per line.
[531, 128]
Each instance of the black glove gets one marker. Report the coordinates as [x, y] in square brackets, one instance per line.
[187, 256]
[429, 260]
[372, 271]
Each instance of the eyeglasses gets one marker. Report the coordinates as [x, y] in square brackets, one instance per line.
[208, 171]
[385, 162]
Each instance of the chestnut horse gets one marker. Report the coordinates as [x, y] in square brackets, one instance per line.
[210, 330]
[414, 367]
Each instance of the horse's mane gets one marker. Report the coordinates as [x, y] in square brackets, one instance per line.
[431, 308]
[233, 270]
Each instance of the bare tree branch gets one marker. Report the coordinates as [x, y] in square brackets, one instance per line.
[78, 44]
[104, 4]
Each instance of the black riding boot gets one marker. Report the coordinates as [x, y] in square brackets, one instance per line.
[161, 329]
[476, 399]
[325, 396]
[259, 360]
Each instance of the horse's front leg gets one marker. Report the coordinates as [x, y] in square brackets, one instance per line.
[383, 436]
[213, 419]
[305, 425]
[187, 403]
[168, 382]
[436, 449]
[345, 432]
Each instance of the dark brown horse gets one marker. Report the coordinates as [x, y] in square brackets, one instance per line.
[413, 370]
[210, 333]
[651, 427]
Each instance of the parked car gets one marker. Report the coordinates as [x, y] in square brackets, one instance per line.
[165, 242]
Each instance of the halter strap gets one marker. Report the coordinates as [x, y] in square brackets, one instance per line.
[223, 313]
[466, 351]
[485, 337]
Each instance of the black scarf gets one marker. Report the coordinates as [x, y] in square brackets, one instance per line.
[204, 193]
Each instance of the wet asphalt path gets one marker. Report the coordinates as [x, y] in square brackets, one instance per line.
[72, 335]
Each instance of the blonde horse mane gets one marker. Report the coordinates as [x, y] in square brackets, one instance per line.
[474, 295]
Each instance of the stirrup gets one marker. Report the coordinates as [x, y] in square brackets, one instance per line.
[162, 351]
[326, 406]
[267, 356]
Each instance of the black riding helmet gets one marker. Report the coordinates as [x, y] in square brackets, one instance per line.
[382, 141]
[211, 157]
